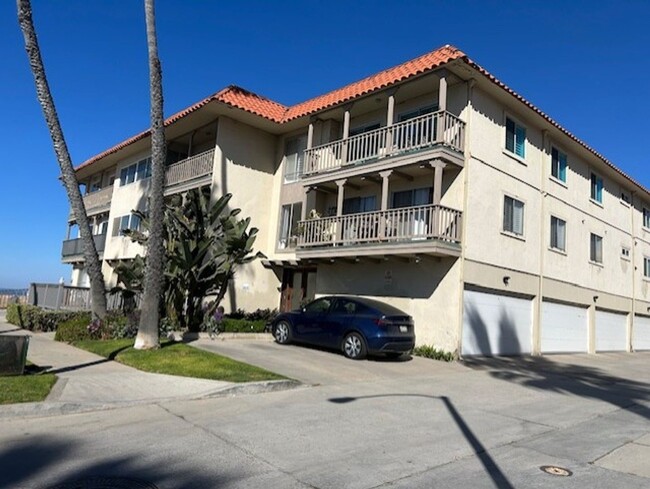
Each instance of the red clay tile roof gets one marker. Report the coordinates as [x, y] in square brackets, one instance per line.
[383, 79]
[255, 104]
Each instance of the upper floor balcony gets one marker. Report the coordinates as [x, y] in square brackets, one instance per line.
[191, 172]
[426, 229]
[72, 250]
[97, 202]
[438, 130]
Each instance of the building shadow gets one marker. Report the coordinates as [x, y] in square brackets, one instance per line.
[550, 375]
[25, 463]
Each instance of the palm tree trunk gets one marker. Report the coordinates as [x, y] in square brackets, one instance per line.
[148, 335]
[93, 265]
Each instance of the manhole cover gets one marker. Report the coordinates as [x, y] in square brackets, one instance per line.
[105, 483]
[553, 470]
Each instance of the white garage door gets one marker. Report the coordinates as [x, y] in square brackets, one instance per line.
[564, 328]
[641, 335]
[496, 324]
[611, 331]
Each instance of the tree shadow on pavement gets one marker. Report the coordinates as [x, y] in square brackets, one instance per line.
[565, 378]
[489, 464]
[46, 463]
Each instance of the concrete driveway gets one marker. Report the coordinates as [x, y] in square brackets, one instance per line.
[322, 367]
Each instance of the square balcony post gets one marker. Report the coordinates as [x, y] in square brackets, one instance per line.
[442, 106]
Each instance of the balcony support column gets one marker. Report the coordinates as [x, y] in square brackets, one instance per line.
[442, 106]
[346, 135]
[385, 175]
[383, 224]
[442, 90]
[340, 196]
[310, 136]
[390, 117]
[438, 167]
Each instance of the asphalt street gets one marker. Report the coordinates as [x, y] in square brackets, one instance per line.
[371, 424]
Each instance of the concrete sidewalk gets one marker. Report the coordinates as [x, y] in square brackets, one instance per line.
[89, 382]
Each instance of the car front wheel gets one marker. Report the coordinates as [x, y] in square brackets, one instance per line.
[354, 346]
[282, 332]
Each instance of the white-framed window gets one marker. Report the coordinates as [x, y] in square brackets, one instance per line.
[596, 188]
[289, 217]
[136, 171]
[513, 216]
[558, 233]
[294, 157]
[102, 227]
[646, 218]
[122, 223]
[515, 137]
[558, 164]
[646, 267]
[595, 248]
[625, 252]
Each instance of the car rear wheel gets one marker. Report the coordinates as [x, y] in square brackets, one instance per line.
[354, 346]
[282, 332]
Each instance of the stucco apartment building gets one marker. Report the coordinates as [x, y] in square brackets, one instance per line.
[431, 186]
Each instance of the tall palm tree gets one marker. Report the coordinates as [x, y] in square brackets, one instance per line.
[93, 265]
[148, 336]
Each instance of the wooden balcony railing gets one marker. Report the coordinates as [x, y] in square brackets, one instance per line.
[99, 200]
[74, 247]
[189, 169]
[425, 222]
[438, 128]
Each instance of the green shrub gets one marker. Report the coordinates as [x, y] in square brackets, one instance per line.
[13, 316]
[430, 351]
[120, 325]
[256, 315]
[73, 330]
[35, 318]
[230, 325]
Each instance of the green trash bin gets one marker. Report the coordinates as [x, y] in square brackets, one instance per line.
[13, 354]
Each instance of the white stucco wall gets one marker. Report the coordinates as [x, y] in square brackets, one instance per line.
[245, 165]
[428, 291]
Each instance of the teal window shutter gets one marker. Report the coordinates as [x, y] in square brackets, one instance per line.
[520, 148]
[599, 189]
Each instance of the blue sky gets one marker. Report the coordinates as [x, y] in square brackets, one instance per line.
[582, 62]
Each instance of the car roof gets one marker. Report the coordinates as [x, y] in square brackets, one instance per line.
[382, 307]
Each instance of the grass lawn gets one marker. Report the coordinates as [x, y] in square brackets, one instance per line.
[177, 359]
[32, 386]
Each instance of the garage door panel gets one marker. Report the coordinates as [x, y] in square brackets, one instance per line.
[611, 331]
[495, 324]
[641, 336]
[564, 328]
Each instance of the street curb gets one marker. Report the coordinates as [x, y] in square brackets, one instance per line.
[254, 388]
[54, 408]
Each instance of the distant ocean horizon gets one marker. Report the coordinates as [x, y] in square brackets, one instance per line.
[13, 291]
